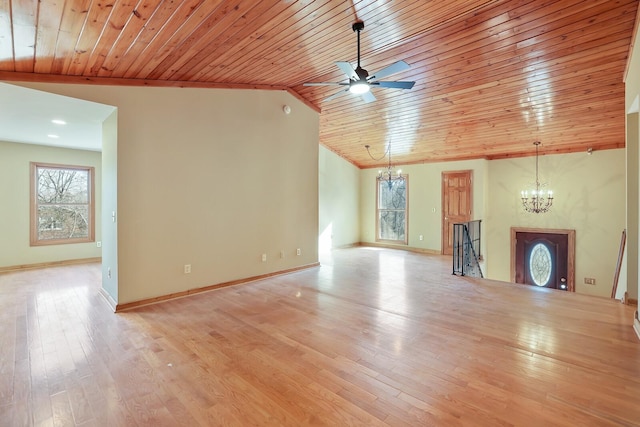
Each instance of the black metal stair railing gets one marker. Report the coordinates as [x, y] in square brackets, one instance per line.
[466, 249]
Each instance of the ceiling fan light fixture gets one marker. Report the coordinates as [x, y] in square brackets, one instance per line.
[360, 81]
[359, 87]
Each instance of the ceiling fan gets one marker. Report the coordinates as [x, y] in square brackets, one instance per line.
[360, 82]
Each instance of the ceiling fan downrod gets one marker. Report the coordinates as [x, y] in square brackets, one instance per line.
[357, 27]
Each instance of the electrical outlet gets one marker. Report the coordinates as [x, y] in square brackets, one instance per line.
[187, 268]
[99, 244]
[264, 257]
[298, 251]
[589, 281]
[421, 237]
[108, 272]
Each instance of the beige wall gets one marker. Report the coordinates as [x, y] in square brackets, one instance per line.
[632, 203]
[632, 104]
[212, 178]
[173, 144]
[589, 198]
[425, 200]
[339, 214]
[14, 214]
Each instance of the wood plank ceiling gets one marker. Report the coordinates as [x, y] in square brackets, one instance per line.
[492, 76]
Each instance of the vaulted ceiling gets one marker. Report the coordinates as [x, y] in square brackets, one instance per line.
[492, 76]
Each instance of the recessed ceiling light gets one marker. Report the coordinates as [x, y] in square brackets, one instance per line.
[53, 136]
[58, 122]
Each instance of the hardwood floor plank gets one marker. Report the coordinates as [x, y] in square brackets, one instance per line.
[62, 414]
[80, 406]
[374, 337]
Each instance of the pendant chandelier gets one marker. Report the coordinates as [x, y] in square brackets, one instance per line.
[389, 175]
[538, 202]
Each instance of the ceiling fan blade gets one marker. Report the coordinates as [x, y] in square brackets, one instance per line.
[324, 84]
[396, 67]
[335, 95]
[347, 68]
[368, 97]
[397, 85]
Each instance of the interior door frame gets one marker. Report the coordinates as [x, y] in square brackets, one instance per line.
[443, 228]
[571, 251]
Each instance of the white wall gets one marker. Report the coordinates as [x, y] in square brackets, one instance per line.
[212, 178]
[15, 249]
[339, 215]
[589, 198]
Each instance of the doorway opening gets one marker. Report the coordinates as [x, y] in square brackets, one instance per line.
[543, 257]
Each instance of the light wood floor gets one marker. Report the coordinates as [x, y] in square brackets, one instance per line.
[373, 337]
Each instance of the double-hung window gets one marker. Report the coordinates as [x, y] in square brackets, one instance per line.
[391, 210]
[62, 204]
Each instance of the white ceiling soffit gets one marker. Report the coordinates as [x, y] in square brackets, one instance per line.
[27, 116]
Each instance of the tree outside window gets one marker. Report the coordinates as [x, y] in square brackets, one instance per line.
[62, 208]
[392, 210]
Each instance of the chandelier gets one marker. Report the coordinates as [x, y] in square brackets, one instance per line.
[389, 175]
[539, 202]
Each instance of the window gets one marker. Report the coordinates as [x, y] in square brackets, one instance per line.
[540, 263]
[392, 210]
[62, 207]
